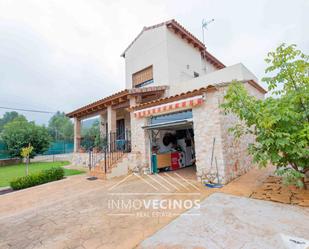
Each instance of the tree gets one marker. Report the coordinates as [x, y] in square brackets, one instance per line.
[91, 136]
[20, 133]
[60, 127]
[279, 123]
[8, 117]
[25, 153]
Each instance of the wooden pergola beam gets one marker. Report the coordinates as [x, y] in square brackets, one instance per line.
[121, 105]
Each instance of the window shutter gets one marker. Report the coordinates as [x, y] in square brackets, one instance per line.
[142, 76]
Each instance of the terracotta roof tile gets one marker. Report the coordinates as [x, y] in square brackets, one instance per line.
[192, 93]
[176, 97]
[114, 96]
[185, 34]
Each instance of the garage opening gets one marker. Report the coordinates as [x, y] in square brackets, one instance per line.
[172, 144]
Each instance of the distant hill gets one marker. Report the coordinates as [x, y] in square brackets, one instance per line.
[88, 122]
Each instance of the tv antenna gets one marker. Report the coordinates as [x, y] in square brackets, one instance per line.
[205, 24]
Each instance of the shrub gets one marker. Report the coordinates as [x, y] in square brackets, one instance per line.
[42, 177]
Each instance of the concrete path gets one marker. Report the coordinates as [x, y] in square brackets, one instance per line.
[226, 221]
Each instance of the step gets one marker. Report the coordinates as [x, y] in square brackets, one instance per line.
[98, 170]
[99, 175]
[102, 165]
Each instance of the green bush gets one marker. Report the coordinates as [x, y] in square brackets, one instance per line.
[42, 177]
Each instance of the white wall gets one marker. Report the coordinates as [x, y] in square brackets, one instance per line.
[148, 49]
[180, 55]
[235, 72]
[207, 67]
[169, 54]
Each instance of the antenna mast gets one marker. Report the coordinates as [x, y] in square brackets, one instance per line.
[204, 26]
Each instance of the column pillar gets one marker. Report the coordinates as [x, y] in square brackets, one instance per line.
[103, 123]
[111, 119]
[111, 123]
[132, 101]
[77, 134]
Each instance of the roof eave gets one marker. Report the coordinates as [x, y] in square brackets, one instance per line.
[83, 111]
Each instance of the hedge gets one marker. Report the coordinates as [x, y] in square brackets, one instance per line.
[48, 175]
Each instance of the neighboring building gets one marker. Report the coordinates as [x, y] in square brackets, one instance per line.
[174, 88]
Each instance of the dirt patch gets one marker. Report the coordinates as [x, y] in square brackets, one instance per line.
[273, 189]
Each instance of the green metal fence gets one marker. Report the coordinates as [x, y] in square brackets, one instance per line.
[57, 147]
[60, 147]
[3, 151]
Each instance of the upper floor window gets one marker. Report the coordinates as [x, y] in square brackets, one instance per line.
[143, 77]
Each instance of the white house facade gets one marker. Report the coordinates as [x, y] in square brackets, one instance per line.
[168, 117]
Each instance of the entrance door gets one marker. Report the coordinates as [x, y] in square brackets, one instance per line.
[120, 129]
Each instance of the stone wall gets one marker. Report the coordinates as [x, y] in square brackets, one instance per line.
[82, 159]
[206, 124]
[140, 141]
[134, 161]
[209, 122]
[130, 162]
[236, 157]
[53, 158]
[235, 151]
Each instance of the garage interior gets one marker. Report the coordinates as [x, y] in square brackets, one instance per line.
[172, 144]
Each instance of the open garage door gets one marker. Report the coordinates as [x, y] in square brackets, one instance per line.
[176, 125]
[171, 142]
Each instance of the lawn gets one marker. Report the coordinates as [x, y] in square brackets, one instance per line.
[8, 173]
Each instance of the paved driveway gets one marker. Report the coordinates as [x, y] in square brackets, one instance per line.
[76, 213]
[226, 221]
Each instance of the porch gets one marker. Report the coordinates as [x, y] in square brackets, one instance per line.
[114, 126]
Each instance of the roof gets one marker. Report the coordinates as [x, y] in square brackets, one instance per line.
[189, 94]
[176, 97]
[119, 97]
[184, 34]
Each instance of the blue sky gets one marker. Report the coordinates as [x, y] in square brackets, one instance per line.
[60, 55]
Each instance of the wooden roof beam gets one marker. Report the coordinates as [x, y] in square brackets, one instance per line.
[121, 105]
[122, 99]
[115, 101]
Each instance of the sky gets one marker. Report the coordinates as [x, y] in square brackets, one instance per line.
[63, 54]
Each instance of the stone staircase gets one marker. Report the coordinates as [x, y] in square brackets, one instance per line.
[99, 169]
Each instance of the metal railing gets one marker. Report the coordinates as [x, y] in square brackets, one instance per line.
[111, 150]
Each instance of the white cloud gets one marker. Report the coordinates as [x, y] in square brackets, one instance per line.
[59, 55]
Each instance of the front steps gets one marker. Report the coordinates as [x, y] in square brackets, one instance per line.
[113, 171]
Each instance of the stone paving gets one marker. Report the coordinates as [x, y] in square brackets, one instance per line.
[273, 189]
[74, 213]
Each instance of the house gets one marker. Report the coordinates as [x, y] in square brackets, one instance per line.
[168, 116]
